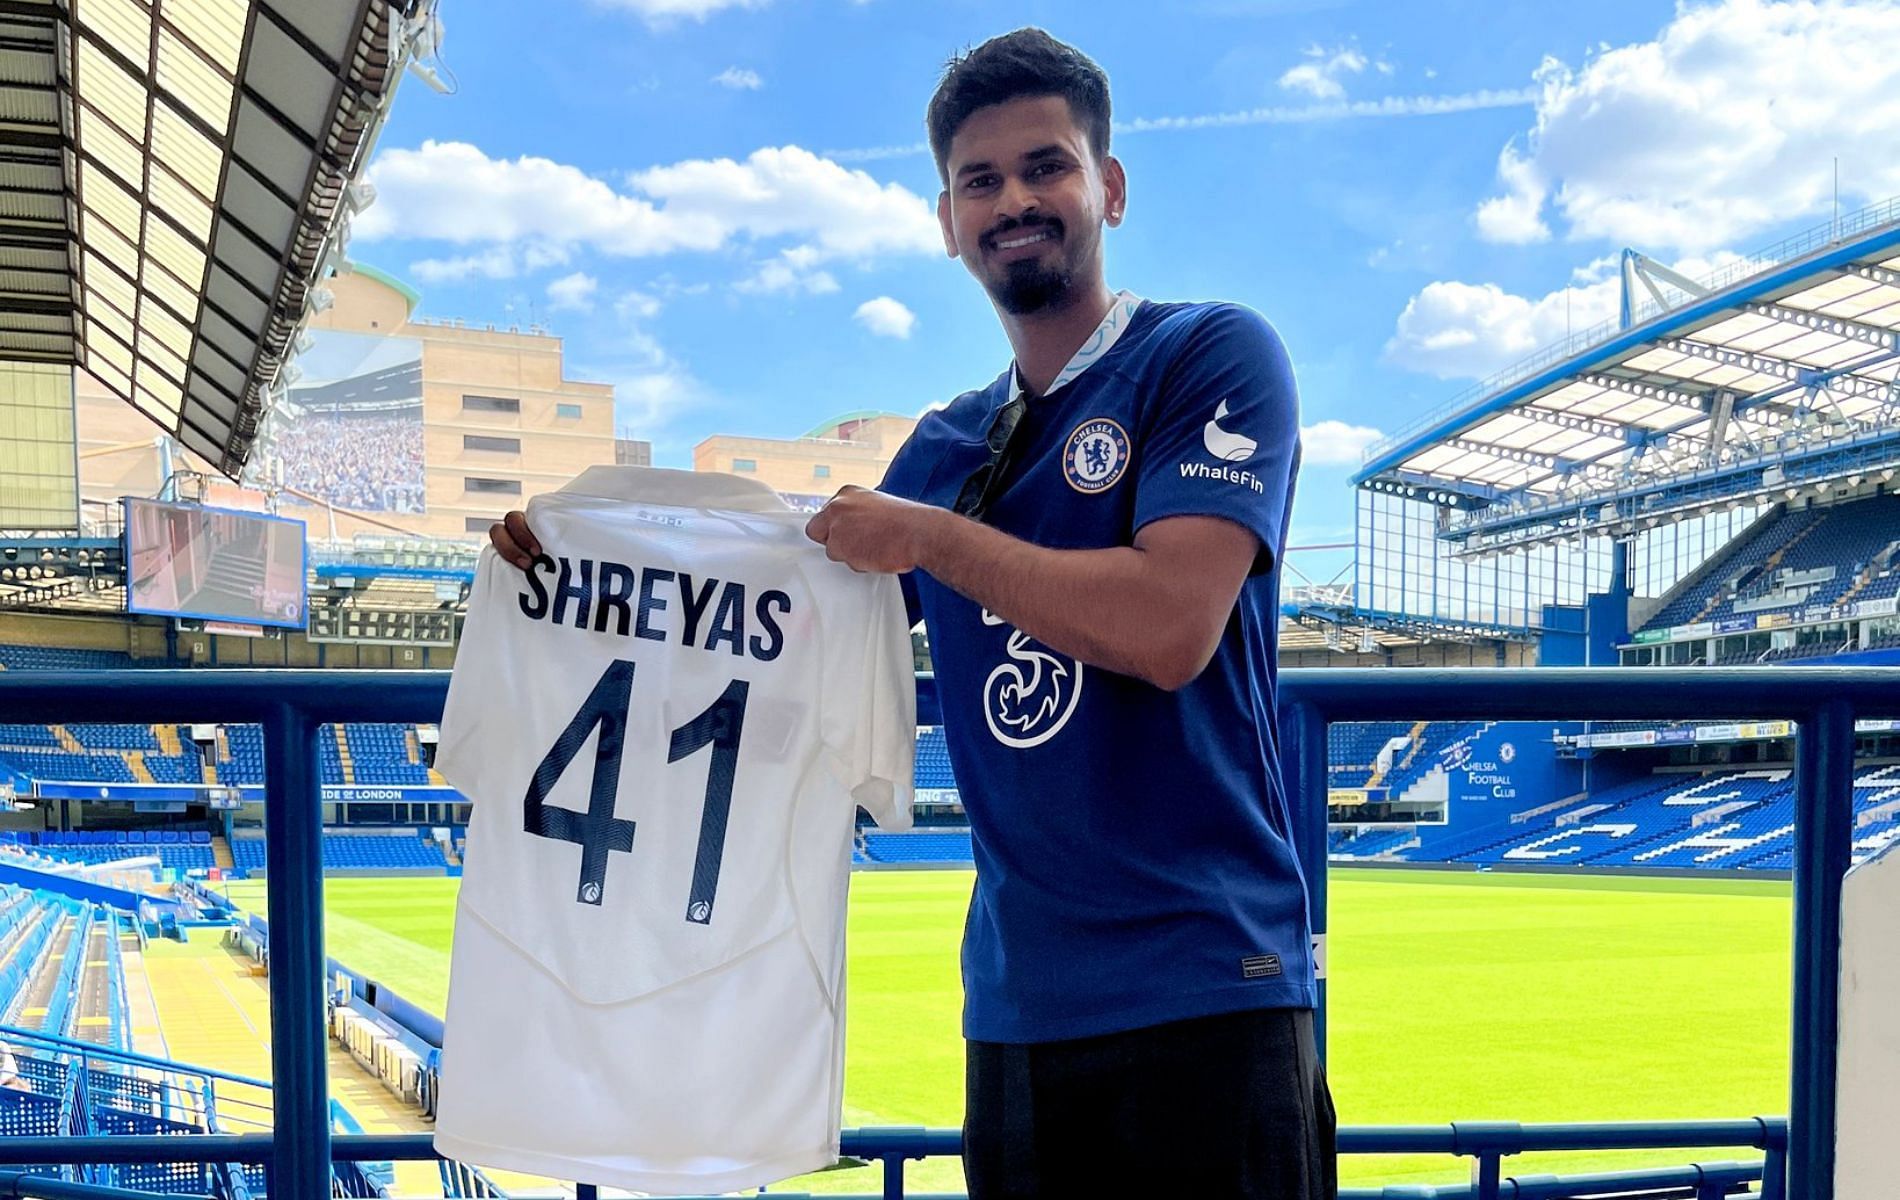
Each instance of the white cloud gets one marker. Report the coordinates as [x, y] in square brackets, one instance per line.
[1296, 114]
[739, 79]
[661, 13]
[454, 192]
[1458, 330]
[1515, 217]
[1722, 126]
[793, 270]
[1319, 73]
[1335, 443]
[886, 317]
[497, 262]
[631, 305]
[644, 403]
[574, 291]
[1463, 330]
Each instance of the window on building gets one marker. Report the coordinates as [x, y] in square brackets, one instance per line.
[821, 471]
[506, 487]
[505, 445]
[568, 412]
[491, 404]
[745, 464]
[478, 524]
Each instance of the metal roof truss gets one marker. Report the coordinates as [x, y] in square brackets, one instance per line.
[171, 174]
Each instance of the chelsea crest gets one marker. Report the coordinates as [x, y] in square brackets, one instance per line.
[1096, 456]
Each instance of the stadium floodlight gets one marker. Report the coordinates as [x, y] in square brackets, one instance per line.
[303, 343]
[289, 374]
[319, 300]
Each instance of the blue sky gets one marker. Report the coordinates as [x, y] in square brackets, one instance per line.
[719, 204]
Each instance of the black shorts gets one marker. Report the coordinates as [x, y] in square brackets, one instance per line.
[1230, 1107]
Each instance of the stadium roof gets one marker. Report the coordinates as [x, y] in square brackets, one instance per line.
[1774, 378]
[170, 186]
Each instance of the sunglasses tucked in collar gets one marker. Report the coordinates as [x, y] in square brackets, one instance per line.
[974, 498]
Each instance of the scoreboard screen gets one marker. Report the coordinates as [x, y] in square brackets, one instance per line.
[186, 560]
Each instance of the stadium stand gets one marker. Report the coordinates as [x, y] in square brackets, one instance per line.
[1719, 819]
[47, 658]
[354, 851]
[176, 849]
[933, 759]
[1353, 750]
[924, 846]
[1801, 557]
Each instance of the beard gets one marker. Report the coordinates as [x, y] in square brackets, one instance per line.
[1031, 287]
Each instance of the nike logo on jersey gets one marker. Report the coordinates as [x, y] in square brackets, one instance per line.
[607, 593]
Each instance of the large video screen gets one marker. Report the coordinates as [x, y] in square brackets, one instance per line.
[349, 433]
[185, 560]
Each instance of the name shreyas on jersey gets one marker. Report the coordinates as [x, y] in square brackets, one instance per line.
[656, 604]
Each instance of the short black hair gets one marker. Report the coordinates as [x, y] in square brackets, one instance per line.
[1012, 66]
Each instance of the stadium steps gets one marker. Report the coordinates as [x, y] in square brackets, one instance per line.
[1417, 738]
[142, 1034]
[343, 754]
[411, 746]
[221, 852]
[435, 777]
[167, 738]
[67, 742]
[135, 761]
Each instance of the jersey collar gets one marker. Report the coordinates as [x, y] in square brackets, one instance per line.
[1120, 315]
[680, 489]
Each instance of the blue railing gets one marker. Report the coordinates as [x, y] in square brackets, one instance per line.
[293, 705]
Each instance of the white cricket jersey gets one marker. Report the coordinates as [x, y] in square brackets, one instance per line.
[666, 729]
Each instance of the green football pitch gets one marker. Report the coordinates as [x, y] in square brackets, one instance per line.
[1452, 997]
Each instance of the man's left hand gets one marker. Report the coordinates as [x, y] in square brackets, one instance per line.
[869, 531]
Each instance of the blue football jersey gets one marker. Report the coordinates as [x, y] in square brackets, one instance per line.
[1133, 849]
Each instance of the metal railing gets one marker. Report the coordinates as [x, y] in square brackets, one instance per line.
[293, 705]
[1487, 1144]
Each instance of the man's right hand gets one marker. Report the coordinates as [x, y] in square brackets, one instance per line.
[513, 539]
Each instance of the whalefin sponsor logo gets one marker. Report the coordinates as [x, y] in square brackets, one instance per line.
[1225, 444]
[1223, 474]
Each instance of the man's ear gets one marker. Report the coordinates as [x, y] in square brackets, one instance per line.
[944, 222]
[1115, 191]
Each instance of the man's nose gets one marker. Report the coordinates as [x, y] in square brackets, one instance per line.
[1016, 198]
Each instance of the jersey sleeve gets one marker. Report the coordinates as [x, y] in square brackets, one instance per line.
[883, 746]
[1226, 439]
[472, 686]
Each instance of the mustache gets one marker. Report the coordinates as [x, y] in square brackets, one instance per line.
[1013, 226]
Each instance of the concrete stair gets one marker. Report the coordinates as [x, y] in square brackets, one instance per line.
[343, 754]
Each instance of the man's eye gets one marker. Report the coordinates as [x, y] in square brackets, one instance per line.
[977, 183]
[1045, 168]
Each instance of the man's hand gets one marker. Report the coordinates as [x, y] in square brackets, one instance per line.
[513, 540]
[869, 531]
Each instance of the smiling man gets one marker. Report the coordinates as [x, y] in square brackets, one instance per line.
[1093, 541]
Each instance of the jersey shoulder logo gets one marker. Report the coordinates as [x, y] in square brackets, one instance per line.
[1096, 456]
[1225, 444]
[1029, 698]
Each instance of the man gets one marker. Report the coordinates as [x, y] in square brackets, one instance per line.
[1093, 543]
